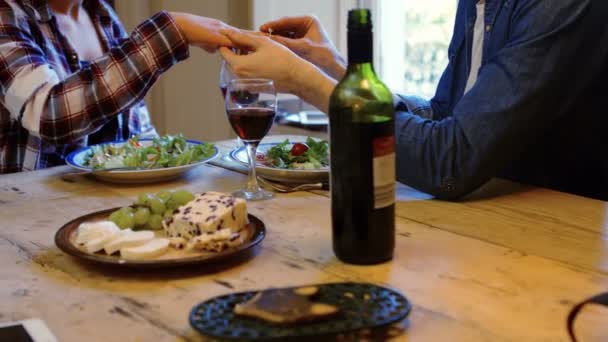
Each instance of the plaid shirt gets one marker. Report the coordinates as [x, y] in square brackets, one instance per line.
[51, 103]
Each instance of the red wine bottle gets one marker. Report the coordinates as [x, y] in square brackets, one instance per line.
[362, 142]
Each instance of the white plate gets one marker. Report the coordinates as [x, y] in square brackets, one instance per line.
[281, 175]
[76, 160]
[308, 118]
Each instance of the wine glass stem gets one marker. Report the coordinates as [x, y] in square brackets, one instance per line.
[252, 183]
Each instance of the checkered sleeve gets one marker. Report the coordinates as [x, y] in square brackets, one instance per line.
[64, 111]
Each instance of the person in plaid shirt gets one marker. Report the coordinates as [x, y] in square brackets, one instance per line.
[70, 76]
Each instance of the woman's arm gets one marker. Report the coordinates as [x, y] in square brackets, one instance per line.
[61, 111]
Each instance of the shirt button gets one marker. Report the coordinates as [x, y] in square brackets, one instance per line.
[74, 57]
[488, 28]
[448, 184]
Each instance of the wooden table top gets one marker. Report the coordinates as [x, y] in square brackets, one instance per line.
[505, 265]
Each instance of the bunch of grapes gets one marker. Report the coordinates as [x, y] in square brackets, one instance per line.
[149, 210]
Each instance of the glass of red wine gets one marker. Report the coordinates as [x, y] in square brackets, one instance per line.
[251, 106]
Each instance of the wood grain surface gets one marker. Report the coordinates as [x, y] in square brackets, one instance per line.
[507, 264]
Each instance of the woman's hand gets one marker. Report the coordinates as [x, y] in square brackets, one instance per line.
[306, 37]
[271, 60]
[201, 31]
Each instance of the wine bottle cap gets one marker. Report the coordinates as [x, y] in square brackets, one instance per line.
[360, 19]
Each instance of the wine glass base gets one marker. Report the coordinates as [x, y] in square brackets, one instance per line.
[259, 195]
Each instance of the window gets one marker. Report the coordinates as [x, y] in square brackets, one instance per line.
[411, 41]
[411, 36]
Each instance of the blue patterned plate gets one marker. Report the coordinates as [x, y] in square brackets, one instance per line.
[76, 160]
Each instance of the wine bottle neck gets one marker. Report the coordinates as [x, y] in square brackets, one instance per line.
[365, 70]
[360, 46]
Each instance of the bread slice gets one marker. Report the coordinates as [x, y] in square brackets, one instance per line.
[286, 306]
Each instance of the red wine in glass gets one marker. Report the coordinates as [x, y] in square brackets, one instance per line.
[251, 124]
[251, 106]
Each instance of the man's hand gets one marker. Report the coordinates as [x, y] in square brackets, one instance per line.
[266, 59]
[306, 37]
[201, 31]
[271, 60]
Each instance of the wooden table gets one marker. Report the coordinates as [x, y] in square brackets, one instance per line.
[505, 265]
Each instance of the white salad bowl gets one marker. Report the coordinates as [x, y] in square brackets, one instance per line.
[77, 158]
[281, 175]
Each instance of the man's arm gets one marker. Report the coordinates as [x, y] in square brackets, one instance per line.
[517, 96]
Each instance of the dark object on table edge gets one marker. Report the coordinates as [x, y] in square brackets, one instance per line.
[601, 299]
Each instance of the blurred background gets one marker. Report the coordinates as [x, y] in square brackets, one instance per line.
[411, 38]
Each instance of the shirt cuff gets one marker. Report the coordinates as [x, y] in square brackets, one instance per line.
[163, 41]
[413, 104]
[399, 104]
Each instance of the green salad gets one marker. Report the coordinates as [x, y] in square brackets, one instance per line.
[165, 151]
[311, 155]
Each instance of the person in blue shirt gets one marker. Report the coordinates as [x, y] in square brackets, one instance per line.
[522, 97]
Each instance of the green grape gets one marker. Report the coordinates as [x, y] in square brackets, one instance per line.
[172, 204]
[157, 206]
[116, 216]
[126, 221]
[155, 222]
[182, 196]
[164, 195]
[168, 213]
[142, 199]
[142, 215]
[126, 210]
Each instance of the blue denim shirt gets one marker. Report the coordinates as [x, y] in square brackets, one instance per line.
[537, 113]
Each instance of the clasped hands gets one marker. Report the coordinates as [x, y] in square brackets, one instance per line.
[295, 52]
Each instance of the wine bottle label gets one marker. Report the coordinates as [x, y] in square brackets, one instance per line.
[384, 171]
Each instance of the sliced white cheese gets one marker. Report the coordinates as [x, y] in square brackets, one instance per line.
[128, 239]
[207, 213]
[95, 245]
[98, 243]
[117, 236]
[149, 250]
[92, 230]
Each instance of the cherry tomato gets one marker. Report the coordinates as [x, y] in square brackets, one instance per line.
[298, 149]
